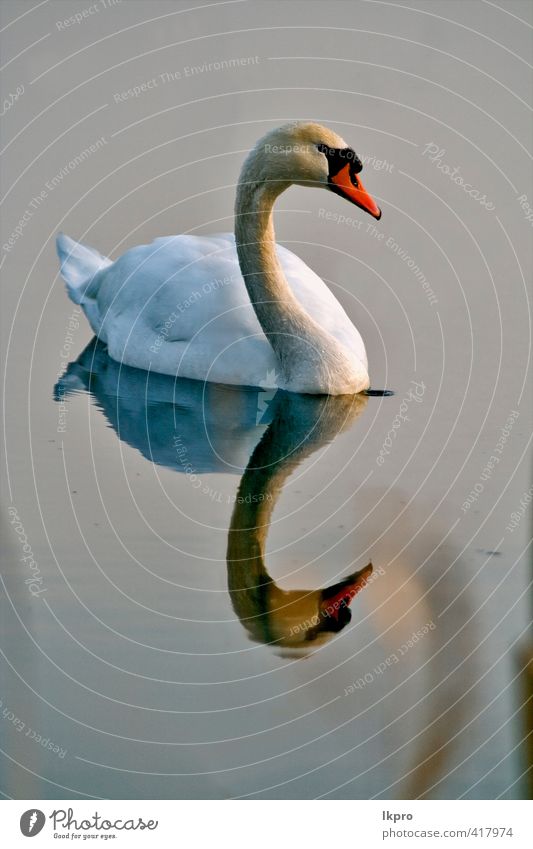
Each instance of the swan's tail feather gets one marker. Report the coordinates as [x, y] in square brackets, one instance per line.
[79, 267]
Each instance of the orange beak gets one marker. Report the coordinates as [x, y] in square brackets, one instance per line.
[344, 592]
[349, 186]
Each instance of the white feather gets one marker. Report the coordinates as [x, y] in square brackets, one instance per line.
[179, 306]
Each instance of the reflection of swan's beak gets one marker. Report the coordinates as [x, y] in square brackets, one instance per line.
[338, 597]
[297, 618]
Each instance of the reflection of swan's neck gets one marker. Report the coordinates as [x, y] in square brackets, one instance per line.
[311, 359]
[299, 427]
[259, 489]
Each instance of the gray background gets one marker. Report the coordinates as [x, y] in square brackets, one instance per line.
[391, 78]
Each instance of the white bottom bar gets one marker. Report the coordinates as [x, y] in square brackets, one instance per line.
[267, 824]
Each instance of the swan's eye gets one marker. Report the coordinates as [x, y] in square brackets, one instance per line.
[339, 156]
[357, 165]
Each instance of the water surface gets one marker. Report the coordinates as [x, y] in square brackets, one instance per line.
[199, 618]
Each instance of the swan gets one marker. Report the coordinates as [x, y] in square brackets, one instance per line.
[156, 413]
[234, 309]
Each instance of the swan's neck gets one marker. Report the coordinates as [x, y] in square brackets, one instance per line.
[259, 489]
[311, 359]
[301, 424]
[288, 439]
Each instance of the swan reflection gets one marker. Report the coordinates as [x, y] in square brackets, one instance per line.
[196, 427]
[290, 618]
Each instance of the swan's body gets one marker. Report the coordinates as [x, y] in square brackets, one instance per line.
[231, 309]
[179, 306]
[183, 425]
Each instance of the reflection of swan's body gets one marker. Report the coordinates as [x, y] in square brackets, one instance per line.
[218, 428]
[289, 618]
[234, 310]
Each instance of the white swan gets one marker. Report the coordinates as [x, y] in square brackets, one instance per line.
[233, 309]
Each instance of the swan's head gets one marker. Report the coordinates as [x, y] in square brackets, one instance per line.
[299, 619]
[309, 154]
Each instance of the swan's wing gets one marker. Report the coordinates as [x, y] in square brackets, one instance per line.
[175, 285]
[180, 306]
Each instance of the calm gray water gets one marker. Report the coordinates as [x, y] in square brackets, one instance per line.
[165, 636]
